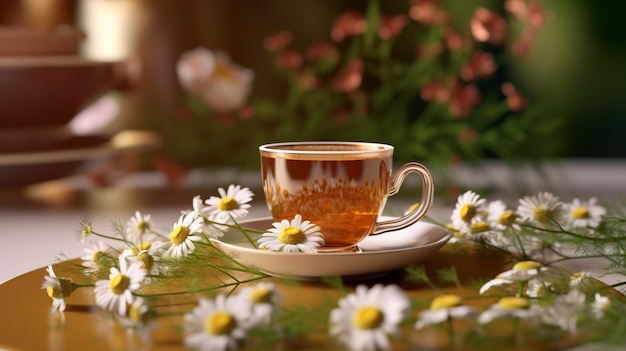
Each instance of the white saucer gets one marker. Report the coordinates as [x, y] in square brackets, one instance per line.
[380, 254]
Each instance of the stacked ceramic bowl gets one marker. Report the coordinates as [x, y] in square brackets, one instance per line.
[44, 84]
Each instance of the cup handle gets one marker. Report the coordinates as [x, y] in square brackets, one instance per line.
[428, 191]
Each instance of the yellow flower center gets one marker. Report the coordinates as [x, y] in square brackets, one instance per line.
[143, 246]
[368, 318]
[119, 284]
[459, 235]
[224, 71]
[179, 234]
[513, 303]
[445, 301]
[414, 207]
[467, 212]
[220, 323]
[99, 258]
[291, 235]
[87, 229]
[261, 295]
[578, 276]
[541, 214]
[227, 204]
[508, 218]
[54, 292]
[580, 213]
[147, 260]
[135, 313]
[142, 226]
[480, 227]
[526, 265]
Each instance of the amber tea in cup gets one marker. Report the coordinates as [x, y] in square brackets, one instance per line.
[340, 186]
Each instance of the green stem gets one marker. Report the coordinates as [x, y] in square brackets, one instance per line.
[572, 234]
[104, 236]
[245, 233]
[184, 292]
[450, 328]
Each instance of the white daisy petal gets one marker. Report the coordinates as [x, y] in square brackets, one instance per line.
[232, 203]
[292, 236]
[185, 231]
[583, 214]
[364, 319]
[116, 293]
[541, 210]
[218, 324]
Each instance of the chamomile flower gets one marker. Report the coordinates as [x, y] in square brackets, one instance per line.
[98, 255]
[457, 236]
[500, 216]
[292, 236]
[232, 203]
[522, 271]
[541, 210]
[480, 227]
[57, 288]
[469, 206]
[139, 226]
[149, 256]
[583, 214]
[116, 293]
[566, 310]
[213, 227]
[538, 288]
[218, 324]
[512, 307]
[186, 231]
[139, 319]
[600, 305]
[86, 230]
[579, 278]
[442, 309]
[263, 297]
[364, 319]
[136, 315]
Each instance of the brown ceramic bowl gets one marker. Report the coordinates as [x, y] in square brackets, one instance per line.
[63, 40]
[48, 91]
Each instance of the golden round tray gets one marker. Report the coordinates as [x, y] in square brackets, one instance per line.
[29, 325]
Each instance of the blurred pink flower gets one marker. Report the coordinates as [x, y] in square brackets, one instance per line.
[481, 64]
[212, 77]
[522, 45]
[278, 41]
[531, 12]
[289, 59]
[322, 51]
[348, 24]
[453, 39]
[514, 99]
[463, 97]
[488, 26]
[391, 26]
[435, 90]
[350, 77]
[427, 12]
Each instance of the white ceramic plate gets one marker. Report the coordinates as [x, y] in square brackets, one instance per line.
[380, 254]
